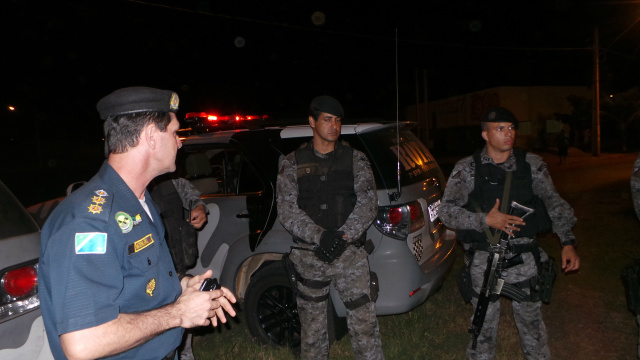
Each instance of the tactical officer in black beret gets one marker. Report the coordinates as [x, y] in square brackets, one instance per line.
[327, 199]
[475, 203]
[107, 284]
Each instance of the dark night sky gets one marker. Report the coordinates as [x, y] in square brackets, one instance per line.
[62, 56]
[72, 52]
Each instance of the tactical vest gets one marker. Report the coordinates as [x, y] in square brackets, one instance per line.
[325, 186]
[179, 234]
[489, 183]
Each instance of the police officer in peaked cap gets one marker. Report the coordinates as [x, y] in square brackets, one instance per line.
[107, 284]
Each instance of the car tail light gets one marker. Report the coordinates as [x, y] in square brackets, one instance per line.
[20, 282]
[399, 221]
[18, 290]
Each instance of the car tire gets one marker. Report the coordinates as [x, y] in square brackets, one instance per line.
[271, 309]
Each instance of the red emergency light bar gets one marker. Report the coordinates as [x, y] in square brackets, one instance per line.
[212, 117]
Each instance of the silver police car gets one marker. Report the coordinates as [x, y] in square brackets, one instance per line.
[22, 334]
[243, 240]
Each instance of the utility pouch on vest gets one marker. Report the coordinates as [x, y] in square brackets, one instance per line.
[541, 215]
[631, 280]
[547, 273]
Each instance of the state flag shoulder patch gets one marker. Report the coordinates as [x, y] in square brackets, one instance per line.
[91, 243]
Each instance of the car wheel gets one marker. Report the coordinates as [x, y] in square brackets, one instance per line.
[271, 308]
[272, 313]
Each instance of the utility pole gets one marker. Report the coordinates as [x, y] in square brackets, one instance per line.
[427, 133]
[595, 119]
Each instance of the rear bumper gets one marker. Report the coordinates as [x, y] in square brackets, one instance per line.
[405, 285]
[24, 338]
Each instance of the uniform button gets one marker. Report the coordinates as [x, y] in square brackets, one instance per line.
[170, 273]
[148, 261]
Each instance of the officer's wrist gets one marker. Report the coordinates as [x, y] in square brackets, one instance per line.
[568, 242]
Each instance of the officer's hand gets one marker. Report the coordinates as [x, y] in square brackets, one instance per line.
[221, 304]
[194, 307]
[570, 258]
[198, 216]
[505, 222]
[199, 308]
[332, 244]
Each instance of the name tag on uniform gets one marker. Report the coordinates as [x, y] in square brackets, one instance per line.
[140, 244]
[91, 243]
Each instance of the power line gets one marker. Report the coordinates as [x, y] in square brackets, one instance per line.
[371, 37]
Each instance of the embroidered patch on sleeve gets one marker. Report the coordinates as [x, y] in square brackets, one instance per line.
[91, 243]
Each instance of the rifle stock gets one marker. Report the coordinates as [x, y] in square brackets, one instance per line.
[493, 285]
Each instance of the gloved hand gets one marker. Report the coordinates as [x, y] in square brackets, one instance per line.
[331, 246]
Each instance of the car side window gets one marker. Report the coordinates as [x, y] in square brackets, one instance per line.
[222, 170]
[249, 180]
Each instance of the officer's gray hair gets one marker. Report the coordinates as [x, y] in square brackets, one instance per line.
[122, 132]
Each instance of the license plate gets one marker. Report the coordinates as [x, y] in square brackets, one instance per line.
[433, 210]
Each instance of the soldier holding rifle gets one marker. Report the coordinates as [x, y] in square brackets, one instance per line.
[476, 203]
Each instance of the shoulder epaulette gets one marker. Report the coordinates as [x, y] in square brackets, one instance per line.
[98, 204]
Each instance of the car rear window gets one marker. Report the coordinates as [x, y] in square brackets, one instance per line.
[415, 161]
[14, 219]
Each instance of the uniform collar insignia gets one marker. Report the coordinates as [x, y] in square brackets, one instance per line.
[98, 200]
[95, 209]
[101, 193]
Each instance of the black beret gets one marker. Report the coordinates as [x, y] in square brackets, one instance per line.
[500, 114]
[327, 104]
[137, 99]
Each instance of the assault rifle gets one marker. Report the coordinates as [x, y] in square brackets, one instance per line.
[493, 285]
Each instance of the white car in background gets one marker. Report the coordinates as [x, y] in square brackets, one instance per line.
[22, 334]
[235, 167]
[243, 240]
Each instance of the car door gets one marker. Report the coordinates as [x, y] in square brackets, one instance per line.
[237, 196]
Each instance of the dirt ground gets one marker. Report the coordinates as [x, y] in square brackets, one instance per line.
[588, 318]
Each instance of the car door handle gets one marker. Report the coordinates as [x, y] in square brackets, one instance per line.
[243, 216]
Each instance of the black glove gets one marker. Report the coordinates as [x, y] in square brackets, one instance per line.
[331, 246]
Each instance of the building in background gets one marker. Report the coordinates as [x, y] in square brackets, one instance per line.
[453, 122]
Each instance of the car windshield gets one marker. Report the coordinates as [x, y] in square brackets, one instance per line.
[14, 219]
